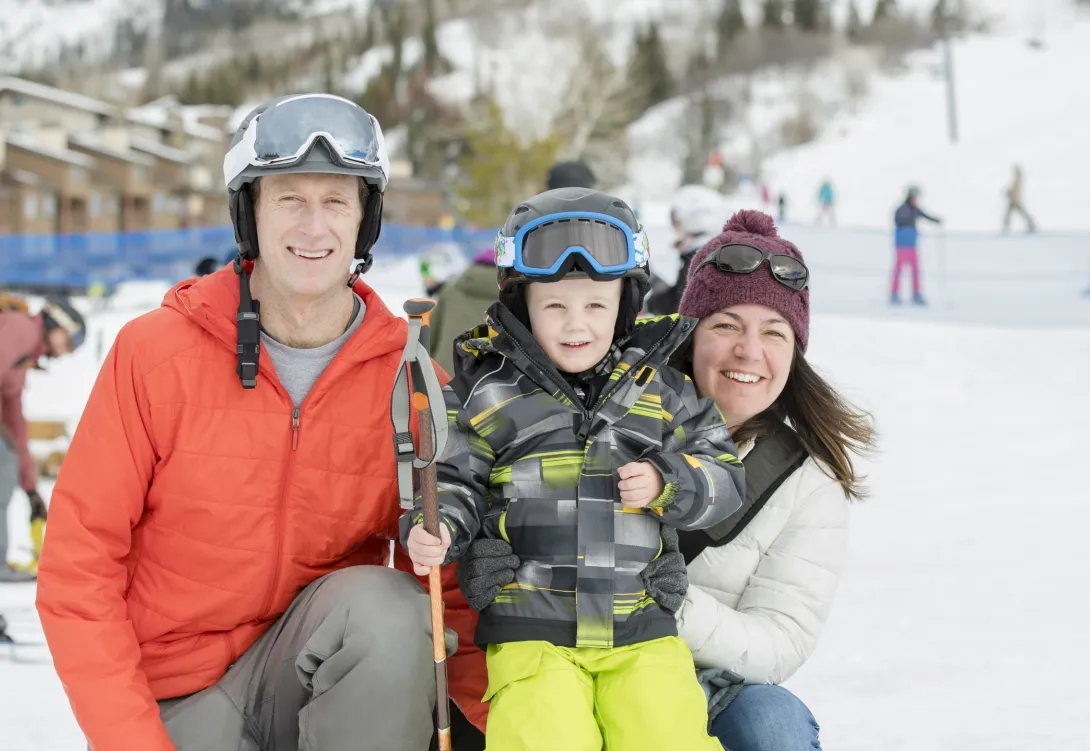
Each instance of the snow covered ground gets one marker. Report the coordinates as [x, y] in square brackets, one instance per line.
[960, 619]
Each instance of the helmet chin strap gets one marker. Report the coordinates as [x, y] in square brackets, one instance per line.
[363, 265]
[249, 329]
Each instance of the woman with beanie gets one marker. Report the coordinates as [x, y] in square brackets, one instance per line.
[761, 585]
[759, 596]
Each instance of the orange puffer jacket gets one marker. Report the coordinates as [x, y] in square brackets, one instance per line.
[190, 512]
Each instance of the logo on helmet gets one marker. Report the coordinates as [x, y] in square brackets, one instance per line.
[505, 251]
[643, 248]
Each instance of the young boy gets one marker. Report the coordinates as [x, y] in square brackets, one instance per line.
[570, 438]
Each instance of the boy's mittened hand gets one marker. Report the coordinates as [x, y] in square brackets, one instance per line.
[425, 550]
[640, 484]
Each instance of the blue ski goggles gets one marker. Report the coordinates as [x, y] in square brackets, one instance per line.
[550, 245]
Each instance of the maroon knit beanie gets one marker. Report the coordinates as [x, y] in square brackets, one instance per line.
[710, 289]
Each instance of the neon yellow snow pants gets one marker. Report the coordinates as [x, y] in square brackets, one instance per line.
[642, 697]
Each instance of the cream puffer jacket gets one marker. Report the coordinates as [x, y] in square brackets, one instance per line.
[757, 605]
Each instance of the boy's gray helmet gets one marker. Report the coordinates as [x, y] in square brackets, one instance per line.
[562, 201]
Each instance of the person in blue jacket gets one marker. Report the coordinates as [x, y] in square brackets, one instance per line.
[906, 238]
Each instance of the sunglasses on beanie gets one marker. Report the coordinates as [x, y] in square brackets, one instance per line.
[739, 258]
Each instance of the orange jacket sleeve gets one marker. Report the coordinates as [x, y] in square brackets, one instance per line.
[98, 499]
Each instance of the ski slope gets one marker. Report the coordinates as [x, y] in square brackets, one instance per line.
[1016, 104]
[960, 619]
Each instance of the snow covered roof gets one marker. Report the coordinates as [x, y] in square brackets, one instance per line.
[57, 96]
[157, 114]
[91, 143]
[22, 177]
[21, 141]
[160, 151]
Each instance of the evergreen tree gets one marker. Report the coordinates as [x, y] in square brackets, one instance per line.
[647, 71]
[662, 84]
[855, 22]
[883, 9]
[940, 17]
[497, 165]
[809, 14]
[729, 24]
[772, 14]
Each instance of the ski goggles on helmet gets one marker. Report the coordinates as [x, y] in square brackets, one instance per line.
[62, 319]
[549, 246]
[739, 258]
[284, 134]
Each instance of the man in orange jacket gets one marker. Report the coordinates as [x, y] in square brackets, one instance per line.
[213, 575]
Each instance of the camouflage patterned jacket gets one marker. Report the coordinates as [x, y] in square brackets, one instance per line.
[528, 462]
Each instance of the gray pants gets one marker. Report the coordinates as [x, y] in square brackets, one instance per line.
[348, 666]
[9, 481]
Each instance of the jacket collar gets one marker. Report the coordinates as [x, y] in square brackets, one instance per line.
[211, 302]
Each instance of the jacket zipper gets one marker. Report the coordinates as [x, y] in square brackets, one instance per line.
[634, 369]
[271, 596]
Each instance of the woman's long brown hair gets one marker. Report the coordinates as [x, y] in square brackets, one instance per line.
[830, 427]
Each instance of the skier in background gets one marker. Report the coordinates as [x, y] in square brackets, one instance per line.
[906, 239]
[782, 205]
[826, 202]
[57, 330]
[1014, 203]
[697, 214]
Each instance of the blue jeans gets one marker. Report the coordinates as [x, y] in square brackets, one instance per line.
[766, 718]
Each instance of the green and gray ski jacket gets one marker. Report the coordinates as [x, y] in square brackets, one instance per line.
[527, 461]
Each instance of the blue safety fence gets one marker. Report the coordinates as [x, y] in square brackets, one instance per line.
[77, 261]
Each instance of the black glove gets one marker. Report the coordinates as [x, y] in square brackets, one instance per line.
[487, 565]
[38, 509]
[666, 578]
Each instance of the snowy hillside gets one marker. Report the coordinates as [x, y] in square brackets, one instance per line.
[33, 32]
[1017, 103]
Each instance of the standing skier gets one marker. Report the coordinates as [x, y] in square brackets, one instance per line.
[56, 330]
[826, 202]
[906, 239]
[1015, 204]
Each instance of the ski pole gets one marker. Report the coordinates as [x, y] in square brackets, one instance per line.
[419, 312]
[942, 268]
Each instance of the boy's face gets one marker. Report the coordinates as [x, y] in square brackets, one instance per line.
[573, 320]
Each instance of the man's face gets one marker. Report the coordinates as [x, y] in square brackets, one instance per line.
[58, 342]
[306, 231]
[574, 319]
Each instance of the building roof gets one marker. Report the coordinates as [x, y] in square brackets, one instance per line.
[157, 114]
[57, 96]
[22, 177]
[22, 141]
[92, 143]
[160, 151]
